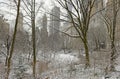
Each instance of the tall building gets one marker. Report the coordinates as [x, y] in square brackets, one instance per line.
[4, 28]
[54, 36]
[44, 33]
[70, 7]
[55, 20]
[44, 21]
[20, 22]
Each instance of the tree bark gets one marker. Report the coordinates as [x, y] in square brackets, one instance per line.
[113, 56]
[87, 62]
[13, 42]
[33, 37]
[113, 52]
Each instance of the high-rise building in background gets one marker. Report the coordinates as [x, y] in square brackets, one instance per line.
[54, 20]
[44, 33]
[20, 22]
[44, 21]
[70, 6]
[4, 28]
[54, 36]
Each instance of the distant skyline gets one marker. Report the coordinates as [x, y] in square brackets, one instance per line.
[48, 4]
[6, 10]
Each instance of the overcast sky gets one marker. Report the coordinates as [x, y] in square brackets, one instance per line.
[4, 9]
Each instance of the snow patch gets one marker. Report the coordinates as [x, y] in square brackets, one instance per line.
[66, 58]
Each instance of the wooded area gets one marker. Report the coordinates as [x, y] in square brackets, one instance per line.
[63, 39]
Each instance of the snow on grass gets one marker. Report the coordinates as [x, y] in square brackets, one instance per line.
[62, 60]
[66, 58]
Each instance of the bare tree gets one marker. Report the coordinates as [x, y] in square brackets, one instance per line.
[80, 19]
[110, 19]
[31, 12]
[7, 44]
[13, 41]
[33, 35]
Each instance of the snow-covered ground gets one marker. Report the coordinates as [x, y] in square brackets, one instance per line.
[67, 66]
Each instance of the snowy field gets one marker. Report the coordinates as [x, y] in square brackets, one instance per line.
[63, 66]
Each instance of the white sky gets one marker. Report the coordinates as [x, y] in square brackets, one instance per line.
[7, 10]
[4, 9]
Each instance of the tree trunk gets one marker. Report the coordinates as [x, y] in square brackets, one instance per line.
[33, 36]
[13, 42]
[6, 60]
[113, 56]
[8, 48]
[113, 52]
[87, 62]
